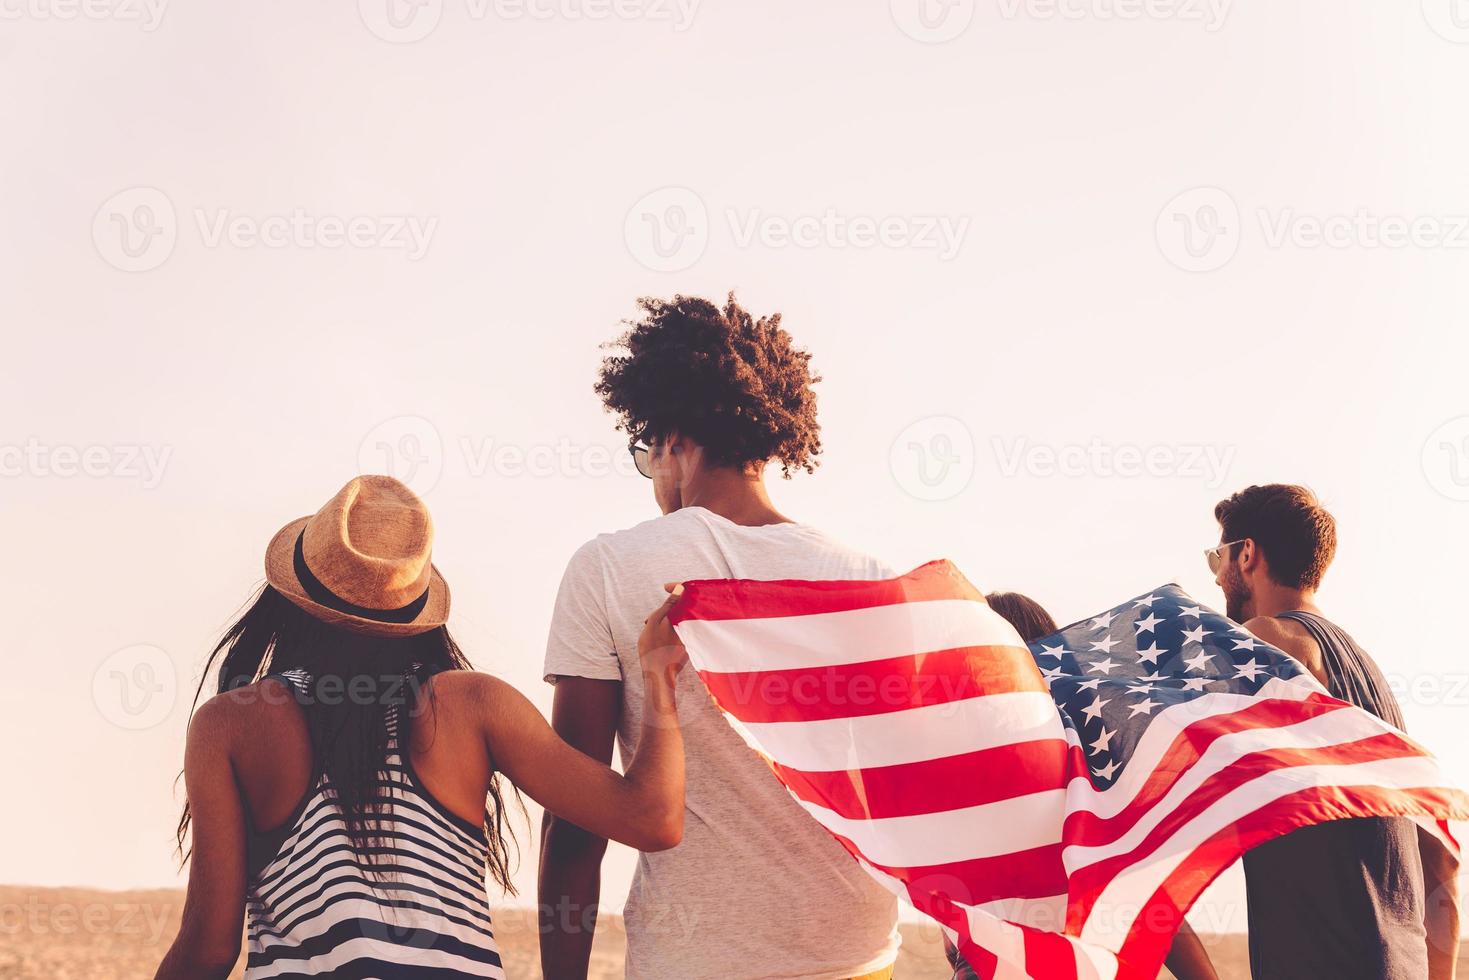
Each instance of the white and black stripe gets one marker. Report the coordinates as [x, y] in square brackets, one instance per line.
[423, 912]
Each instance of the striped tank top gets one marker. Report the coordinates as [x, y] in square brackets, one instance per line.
[312, 910]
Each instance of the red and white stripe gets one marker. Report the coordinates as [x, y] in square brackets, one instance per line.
[911, 721]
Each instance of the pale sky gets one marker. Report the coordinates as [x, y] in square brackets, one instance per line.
[248, 247]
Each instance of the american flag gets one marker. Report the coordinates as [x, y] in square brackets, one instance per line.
[1056, 808]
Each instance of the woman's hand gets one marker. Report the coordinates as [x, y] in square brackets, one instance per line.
[659, 649]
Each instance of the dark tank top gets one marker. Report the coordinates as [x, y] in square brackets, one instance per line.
[1341, 900]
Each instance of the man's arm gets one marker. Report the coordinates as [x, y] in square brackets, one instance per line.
[1441, 916]
[585, 713]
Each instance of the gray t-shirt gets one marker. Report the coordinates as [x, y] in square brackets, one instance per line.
[1342, 899]
[757, 888]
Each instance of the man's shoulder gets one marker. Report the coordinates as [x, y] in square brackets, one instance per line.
[637, 538]
[1277, 631]
[1286, 634]
[798, 550]
[1292, 638]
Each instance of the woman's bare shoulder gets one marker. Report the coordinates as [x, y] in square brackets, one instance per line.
[473, 688]
[248, 708]
[474, 694]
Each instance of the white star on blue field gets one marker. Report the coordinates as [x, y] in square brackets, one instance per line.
[1112, 674]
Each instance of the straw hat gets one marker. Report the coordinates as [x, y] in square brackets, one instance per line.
[362, 561]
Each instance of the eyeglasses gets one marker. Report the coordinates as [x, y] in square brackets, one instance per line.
[640, 459]
[1215, 555]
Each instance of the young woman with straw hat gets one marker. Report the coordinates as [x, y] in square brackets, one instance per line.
[343, 785]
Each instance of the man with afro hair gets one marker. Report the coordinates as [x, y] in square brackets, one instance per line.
[710, 398]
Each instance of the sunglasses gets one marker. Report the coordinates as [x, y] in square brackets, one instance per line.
[1215, 555]
[641, 459]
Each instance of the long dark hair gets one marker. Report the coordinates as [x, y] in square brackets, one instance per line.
[367, 677]
[1029, 617]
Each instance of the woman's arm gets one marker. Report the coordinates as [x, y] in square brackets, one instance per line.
[208, 941]
[643, 808]
[1188, 960]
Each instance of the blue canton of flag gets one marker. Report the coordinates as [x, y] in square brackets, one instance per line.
[1110, 675]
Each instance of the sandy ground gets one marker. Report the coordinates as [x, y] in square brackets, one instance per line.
[77, 934]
